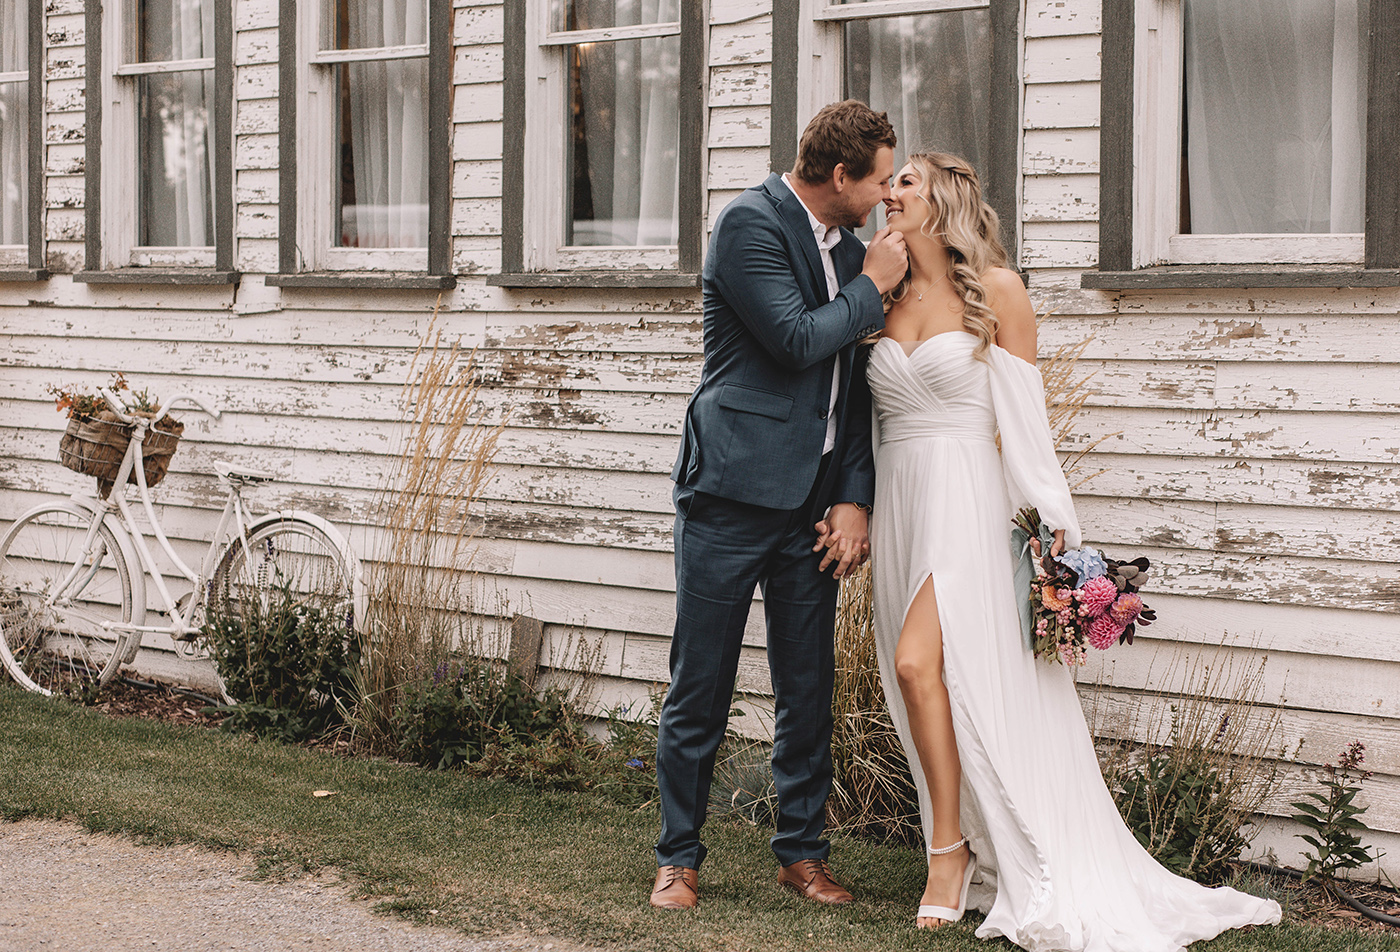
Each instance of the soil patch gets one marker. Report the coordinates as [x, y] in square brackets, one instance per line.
[66, 889]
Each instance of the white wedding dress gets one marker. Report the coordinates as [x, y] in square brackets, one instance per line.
[1058, 868]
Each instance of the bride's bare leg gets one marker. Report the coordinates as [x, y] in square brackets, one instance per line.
[918, 663]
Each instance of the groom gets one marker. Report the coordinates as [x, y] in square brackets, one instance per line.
[776, 438]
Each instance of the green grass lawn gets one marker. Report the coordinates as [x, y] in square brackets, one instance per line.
[489, 857]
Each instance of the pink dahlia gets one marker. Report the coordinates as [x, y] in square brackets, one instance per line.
[1096, 595]
[1104, 632]
[1127, 608]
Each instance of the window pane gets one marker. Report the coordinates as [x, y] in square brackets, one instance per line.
[624, 139]
[367, 24]
[597, 14]
[383, 186]
[14, 125]
[14, 163]
[175, 171]
[932, 74]
[1275, 116]
[175, 30]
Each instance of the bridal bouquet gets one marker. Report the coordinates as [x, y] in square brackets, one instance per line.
[1082, 597]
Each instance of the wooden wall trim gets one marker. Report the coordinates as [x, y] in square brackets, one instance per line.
[1004, 122]
[782, 107]
[691, 160]
[1208, 277]
[1382, 134]
[1116, 131]
[223, 137]
[287, 137]
[92, 138]
[35, 90]
[513, 141]
[440, 136]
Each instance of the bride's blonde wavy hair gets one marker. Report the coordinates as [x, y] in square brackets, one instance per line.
[969, 229]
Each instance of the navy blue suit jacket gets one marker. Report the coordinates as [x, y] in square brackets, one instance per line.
[756, 424]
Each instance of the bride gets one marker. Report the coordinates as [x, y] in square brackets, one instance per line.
[1016, 817]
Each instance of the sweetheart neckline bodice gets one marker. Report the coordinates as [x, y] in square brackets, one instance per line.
[918, 345]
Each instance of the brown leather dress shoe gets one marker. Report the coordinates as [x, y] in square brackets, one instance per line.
[812, 878]
[677, 887]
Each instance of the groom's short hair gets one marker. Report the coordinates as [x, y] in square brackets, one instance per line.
[844, 133]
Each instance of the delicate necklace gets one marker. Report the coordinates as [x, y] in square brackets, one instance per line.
[931, 286]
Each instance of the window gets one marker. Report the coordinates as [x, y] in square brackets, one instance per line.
[21, 248]
[944, 71]
[159, 156]
[610, 191]
[1245, 132]
[366, 125]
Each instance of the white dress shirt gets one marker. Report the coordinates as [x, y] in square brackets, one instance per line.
[827, 238]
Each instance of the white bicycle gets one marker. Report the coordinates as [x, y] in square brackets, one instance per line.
[72, 574]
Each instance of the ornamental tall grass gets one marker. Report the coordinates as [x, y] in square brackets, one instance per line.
[420, 612]
[872, 790]
[1191, 762]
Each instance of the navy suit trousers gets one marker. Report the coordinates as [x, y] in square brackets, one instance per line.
[723, 549]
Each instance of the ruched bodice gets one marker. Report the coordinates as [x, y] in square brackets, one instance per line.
[944, 496]
[938, 390]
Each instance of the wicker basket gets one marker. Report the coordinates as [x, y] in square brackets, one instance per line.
[96, 445]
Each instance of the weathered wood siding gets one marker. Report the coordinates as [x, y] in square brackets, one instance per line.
[1248, 446]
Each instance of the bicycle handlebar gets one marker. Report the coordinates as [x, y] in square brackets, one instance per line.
[118, 406]
[193, 401]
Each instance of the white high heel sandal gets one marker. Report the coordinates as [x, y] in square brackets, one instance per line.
[943, 912]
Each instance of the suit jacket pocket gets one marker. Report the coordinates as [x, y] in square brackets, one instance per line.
[778, 406]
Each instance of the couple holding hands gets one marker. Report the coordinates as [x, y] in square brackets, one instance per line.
[803, 432]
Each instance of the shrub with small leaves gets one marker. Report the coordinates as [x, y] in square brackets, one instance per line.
[450, 716]
[1181, 811]
[287, 660]
[1333, 818]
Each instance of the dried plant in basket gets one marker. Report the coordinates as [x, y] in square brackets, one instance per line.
[96, 440]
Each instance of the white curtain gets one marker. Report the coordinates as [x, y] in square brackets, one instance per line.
[384, 182]
[932, 75]
[1275, 115]
[626, 129]
[177, 171]
[14, 123]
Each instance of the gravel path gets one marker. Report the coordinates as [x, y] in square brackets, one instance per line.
[62, 888]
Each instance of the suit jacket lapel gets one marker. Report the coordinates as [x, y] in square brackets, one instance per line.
[795, 217]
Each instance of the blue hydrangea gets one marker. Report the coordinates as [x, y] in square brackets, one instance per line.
[1086, 561]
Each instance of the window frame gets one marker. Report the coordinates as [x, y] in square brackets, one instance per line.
[306, 76]
[532, 249]
[111, 253]
[26, 262]
[1140, 174]
[814, 76]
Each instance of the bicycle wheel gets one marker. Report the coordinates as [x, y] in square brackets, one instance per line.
[55, 599]
[286, 561]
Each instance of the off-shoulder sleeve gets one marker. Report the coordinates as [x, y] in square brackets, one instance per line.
[1033, 474]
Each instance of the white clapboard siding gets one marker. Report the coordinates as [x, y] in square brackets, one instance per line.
[1060, 151]
[1062, 18]
[1060, 59]
[1241, 439]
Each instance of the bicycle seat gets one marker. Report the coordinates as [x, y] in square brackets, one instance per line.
[242, 475]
